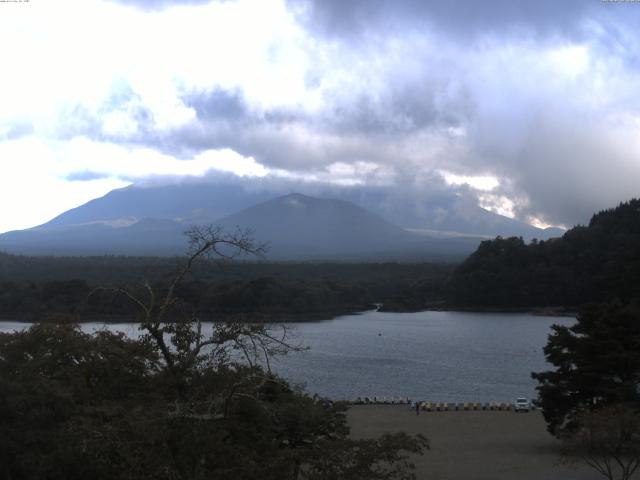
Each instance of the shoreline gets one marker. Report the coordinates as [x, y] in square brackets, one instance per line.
[313, 316]
[551, 311]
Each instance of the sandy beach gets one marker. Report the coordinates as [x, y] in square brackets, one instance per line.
[473, 445]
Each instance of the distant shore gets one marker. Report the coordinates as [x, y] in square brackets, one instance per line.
[299, 317]
[550, 311]
[250, 317]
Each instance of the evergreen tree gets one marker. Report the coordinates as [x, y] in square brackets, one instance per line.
[597, 363]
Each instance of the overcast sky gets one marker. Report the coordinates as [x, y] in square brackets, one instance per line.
[533, 105]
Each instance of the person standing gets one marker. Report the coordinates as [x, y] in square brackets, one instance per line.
[417, 408]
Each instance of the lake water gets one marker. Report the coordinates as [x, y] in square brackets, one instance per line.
[437, 356]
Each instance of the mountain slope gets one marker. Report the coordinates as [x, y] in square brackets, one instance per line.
[444, 211]
[145, 237]
[187, 203]
[192, 202]
[297, 227]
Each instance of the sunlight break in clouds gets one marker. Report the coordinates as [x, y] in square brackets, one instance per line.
[486, 183]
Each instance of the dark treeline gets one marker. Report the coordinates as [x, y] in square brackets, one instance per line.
[591, 263]
[36, 288]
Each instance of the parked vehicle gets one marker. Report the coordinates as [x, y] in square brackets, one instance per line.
[521, 405]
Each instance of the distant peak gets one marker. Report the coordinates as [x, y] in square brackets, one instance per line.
[296, 196]
[296, 200]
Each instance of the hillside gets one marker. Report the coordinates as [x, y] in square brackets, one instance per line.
[296, 227]
[145, 237]
[186, 202]
[301, 227]
[590, 263]
[192, 202]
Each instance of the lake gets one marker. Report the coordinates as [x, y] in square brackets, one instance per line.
[436, 356]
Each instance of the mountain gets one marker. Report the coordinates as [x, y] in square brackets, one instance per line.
[302, 227]
[144, 237]
[442, 212]
[185, 203]
[356, 224]
[193, 203]
[296, 226]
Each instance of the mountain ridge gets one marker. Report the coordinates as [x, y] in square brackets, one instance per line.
[206, 202]
[150, 220]
[297, 226]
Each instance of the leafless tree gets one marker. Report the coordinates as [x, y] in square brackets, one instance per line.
[180, 339]
[607, 440]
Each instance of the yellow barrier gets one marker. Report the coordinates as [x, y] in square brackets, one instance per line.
[438, 406]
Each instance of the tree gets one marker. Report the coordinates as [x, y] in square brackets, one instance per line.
[594, 263]
[597, 363]
[608, 440]
[74, 405]
[180, 402]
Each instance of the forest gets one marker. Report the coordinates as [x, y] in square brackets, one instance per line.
[80, 288]
[592, 263]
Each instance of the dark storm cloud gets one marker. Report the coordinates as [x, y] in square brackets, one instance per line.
[547, 134]
[554, 157]
[461, 17]
[363, 125]
[217, 105]
[413, 87]
[406, 107]
[279, 138]
[570, 173]
[223, 120]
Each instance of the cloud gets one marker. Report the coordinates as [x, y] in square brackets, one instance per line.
[85, 175]
[541, 96]
[12, 130]
[137, 163]
[547, 120]
[461, 20]
[161, 4]
[33, 190]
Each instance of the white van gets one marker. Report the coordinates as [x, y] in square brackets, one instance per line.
[521, 405]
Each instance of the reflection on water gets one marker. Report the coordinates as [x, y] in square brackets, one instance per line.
[440, 356]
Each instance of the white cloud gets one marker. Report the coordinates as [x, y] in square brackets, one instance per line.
[485, 183]
[498, 204]
[535, 119]
[82, 51]
[32, 189]
[36, 184]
